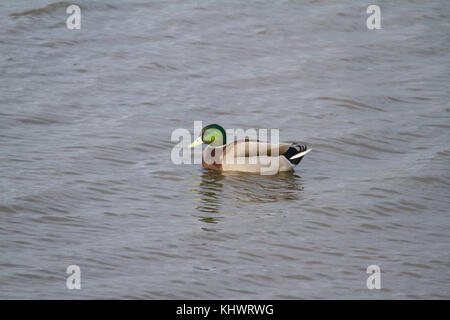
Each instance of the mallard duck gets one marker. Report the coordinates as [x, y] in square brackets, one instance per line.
[247, 155]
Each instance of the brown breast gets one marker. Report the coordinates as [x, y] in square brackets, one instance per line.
[214, 165]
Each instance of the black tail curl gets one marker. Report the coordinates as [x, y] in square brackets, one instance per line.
[292, 151]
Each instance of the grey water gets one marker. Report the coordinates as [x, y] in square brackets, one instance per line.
[86, 176]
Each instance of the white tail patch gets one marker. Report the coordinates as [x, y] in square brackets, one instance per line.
[301, 154]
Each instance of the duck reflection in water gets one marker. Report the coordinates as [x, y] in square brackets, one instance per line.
[236, 189]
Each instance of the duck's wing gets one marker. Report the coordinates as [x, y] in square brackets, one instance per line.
[252, 148]
[256, 156]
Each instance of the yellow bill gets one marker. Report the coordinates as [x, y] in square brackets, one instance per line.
[197, 142]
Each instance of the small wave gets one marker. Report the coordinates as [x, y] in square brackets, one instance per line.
[351, 104]
[57, 6]
[36, 120]
[48, 9]
[6, 209]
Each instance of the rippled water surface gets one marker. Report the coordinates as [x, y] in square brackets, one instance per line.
[86, 118]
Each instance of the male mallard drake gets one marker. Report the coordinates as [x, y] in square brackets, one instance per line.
[247, 155]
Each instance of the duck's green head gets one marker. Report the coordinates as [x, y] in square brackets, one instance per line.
[213, 135]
